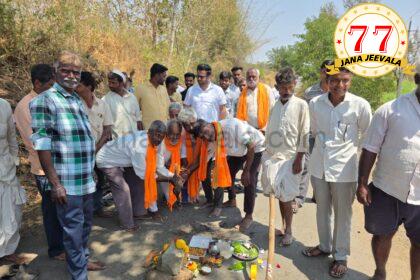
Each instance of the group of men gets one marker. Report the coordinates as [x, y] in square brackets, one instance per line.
[162, 140]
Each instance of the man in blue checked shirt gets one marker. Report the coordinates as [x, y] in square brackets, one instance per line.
[66, 148]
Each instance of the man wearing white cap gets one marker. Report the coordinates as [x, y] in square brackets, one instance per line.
[124, 107]
[393, 196]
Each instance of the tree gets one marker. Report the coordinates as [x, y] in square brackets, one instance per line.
[317, 44]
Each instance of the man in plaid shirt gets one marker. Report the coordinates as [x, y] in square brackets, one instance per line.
[66, 148]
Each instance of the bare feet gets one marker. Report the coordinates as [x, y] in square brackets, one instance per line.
[215, 212]
[246, 223]
[379, 275]
[61, 257]
[287, 239]
[14, 258]
[156, 216]
[95, 266]
[279, 232]
[229, 203]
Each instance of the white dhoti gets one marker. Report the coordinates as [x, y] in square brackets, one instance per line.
[277, 178]
[12, 197]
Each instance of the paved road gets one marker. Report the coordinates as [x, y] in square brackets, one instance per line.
[124, 253]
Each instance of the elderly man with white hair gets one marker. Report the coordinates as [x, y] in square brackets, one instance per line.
[393, 196]
[174, 109]
[255, 101]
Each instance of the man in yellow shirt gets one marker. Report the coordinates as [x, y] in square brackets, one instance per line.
[152, 96]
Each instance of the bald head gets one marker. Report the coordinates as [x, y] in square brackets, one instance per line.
[252, 78]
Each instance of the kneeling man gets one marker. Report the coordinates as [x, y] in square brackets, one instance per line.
[133, 163]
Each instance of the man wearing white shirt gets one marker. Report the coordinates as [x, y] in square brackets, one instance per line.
[255, 101]
[231, 94]
[244, 146]
[124, 107]
[338, 119]
[124, 163]
[207, 99]
[286, 141]
[393, 197]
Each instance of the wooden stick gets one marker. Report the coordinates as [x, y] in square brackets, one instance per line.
[271, 237]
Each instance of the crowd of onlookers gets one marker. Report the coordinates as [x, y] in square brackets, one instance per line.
[161, 141]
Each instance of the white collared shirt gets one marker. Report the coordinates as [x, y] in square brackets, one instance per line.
[394, 135]
[238, 134]
[206, 103]
[338, 132]
[130, 150]
[99, 115]
[231, 99]
[252, 105]
[125, 112]
[288, 129]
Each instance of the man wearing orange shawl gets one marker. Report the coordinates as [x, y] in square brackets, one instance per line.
[255, 101]
[133, 164]
[194, 149]
[175, 157]
[243, 145]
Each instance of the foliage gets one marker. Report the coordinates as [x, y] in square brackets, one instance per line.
[128, 34]
[314, 46]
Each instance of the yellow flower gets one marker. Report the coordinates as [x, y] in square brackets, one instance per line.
[192, 266]
[186, 249]
[180, 244]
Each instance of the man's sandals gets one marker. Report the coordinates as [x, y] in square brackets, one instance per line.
[337, 268]
[314, 252]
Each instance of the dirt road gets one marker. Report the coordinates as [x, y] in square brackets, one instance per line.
[124, 253]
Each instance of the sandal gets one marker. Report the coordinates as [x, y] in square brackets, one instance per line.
[335, 269]
[310, 252]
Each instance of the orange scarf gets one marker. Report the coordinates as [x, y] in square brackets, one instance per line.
[175, 151]
[193, 181]
[150, 185]
[221, 174]
[263, 103]
[201, 152]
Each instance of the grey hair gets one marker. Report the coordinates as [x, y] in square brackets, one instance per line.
[187, 115]
[175, 106]
[256, 70]
[173, 122]
[157, 126]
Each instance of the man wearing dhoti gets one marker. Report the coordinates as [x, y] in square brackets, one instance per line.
[286, 143]
[12, 195]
